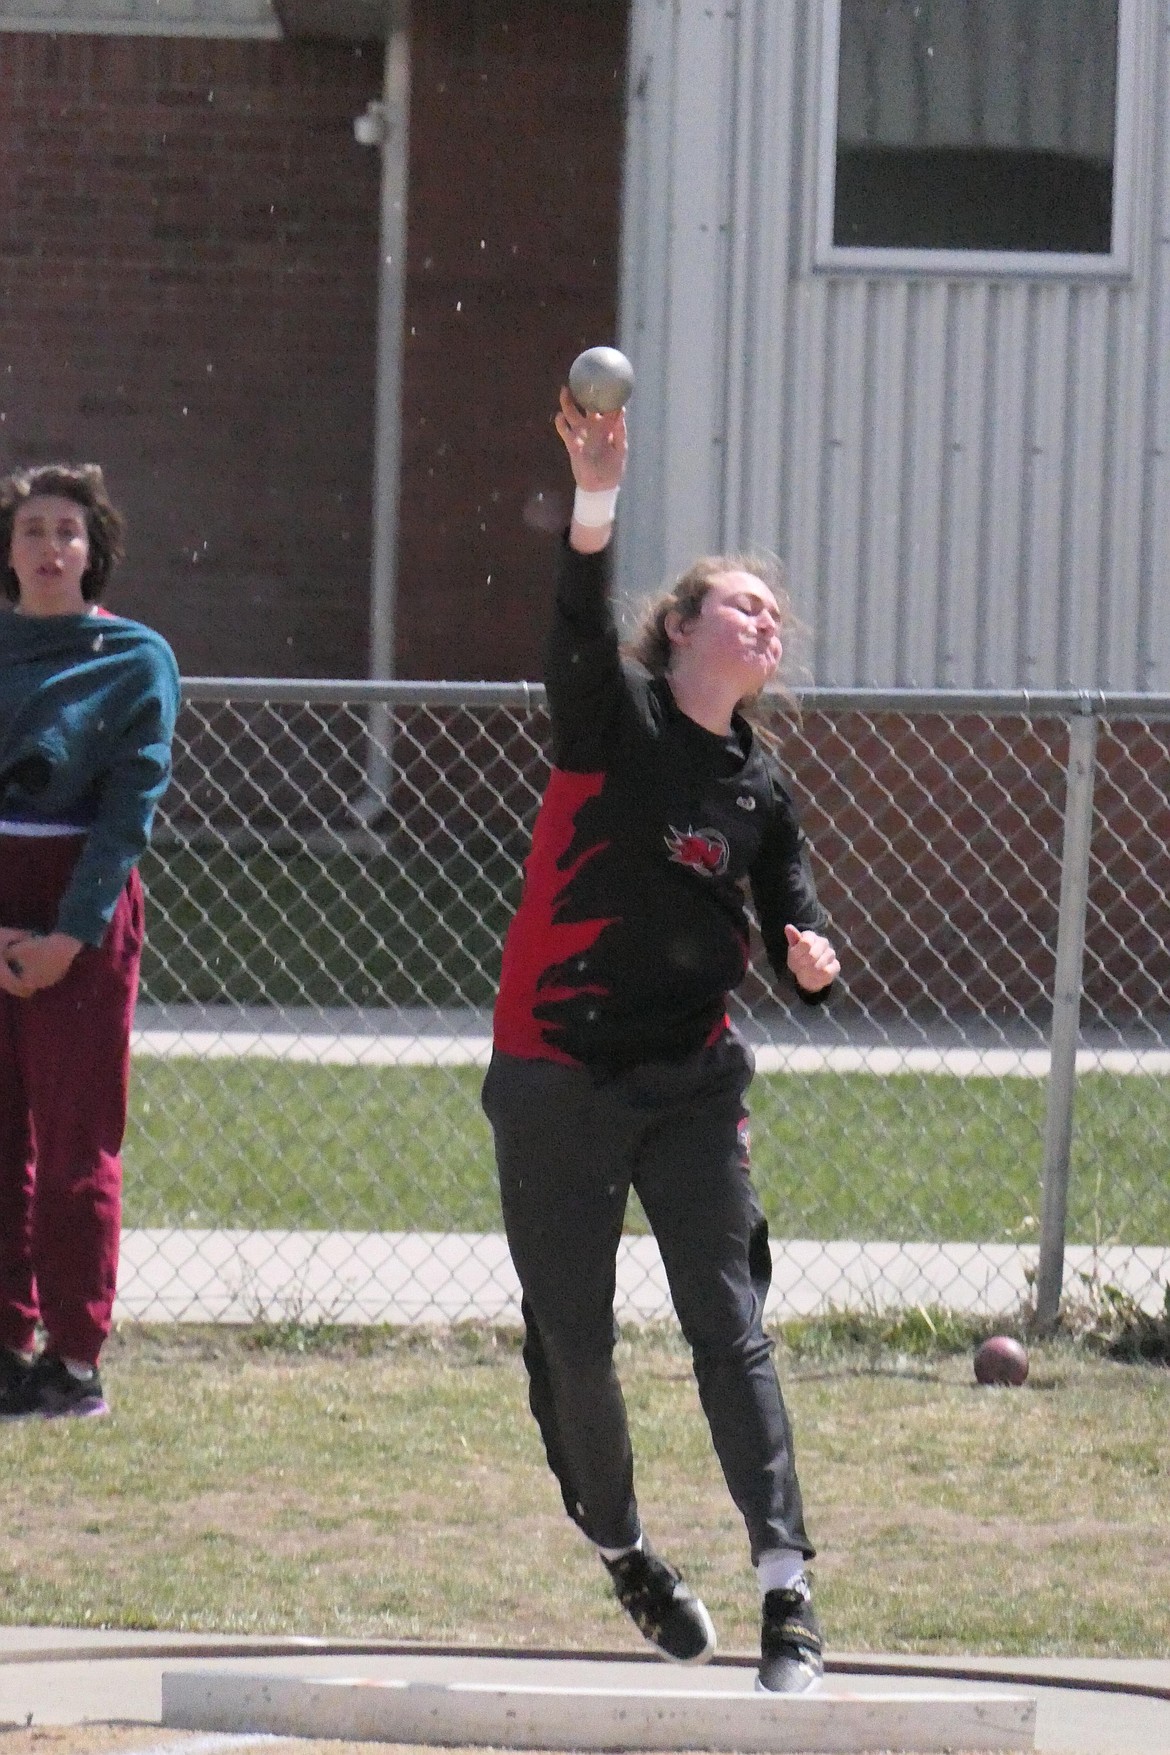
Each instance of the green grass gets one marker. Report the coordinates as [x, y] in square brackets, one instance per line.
[252, 1142]
[394, 1485]
[332, 930]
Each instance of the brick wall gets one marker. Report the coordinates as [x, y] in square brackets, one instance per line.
[188, 243]
[516, 148]
[938, 849]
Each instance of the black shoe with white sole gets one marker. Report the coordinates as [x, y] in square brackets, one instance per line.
[15, 1370]
[52, 1392]
[791, 1644]
[663, 1609]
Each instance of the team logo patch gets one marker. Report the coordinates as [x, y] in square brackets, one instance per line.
[701, 850]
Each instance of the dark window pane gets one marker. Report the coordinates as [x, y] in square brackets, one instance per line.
[976, 124]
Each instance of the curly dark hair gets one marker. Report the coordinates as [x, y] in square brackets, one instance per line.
[83, 483]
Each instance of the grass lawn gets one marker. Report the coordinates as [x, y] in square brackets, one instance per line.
[336, 929]
[260, 1143]
[394, 1485]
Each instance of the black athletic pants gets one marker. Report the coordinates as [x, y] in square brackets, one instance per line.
[568, 1149]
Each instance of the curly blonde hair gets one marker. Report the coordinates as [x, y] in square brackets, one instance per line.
[651, 645]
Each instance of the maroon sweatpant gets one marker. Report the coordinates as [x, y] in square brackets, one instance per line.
[64, 1077]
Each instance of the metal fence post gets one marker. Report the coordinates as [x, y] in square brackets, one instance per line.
[1066, 1013]
[389, 128]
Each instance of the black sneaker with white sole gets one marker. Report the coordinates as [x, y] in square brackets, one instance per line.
[663, 1609]
[791, 1643]
[14, 1375]
[52, 1392]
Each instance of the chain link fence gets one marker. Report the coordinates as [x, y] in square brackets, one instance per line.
[975, 1121]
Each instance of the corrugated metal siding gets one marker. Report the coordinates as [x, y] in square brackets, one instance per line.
[969, 479]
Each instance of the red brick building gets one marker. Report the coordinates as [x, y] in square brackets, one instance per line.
[188, 292]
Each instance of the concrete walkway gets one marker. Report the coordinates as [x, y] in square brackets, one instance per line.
[51, 1676]
[409, 1277]
[965, 1048]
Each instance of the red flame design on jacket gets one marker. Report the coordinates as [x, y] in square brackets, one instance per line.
[536, 940]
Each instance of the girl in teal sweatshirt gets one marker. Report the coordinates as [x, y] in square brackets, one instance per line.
[87, 713]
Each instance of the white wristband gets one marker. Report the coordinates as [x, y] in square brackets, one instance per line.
[594, 510]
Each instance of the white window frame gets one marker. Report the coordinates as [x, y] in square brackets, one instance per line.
[1118, 264]
[140, 18]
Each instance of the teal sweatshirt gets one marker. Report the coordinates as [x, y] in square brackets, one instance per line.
[87, 713]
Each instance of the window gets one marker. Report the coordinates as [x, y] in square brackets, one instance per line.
[975, 133]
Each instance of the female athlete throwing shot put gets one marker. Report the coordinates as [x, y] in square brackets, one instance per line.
[614, 1061]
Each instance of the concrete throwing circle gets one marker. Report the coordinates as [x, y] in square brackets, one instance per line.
[838, 1716]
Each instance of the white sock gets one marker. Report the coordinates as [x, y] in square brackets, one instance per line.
[616, 1553]
[79, 1369]
[780, 1569]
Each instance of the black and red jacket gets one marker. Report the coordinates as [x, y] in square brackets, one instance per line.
[632, 926]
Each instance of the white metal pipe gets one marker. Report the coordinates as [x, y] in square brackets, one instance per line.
[393, 138]
[1066, 1014]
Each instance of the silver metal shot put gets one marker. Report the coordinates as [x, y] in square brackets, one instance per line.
[600, 380]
